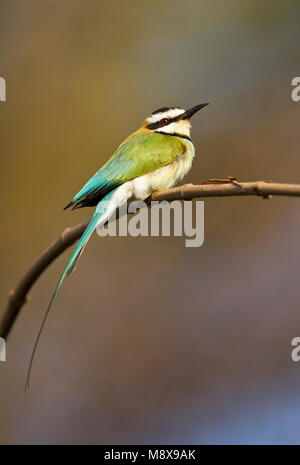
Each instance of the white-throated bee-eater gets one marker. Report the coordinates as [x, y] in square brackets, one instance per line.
[157, 155]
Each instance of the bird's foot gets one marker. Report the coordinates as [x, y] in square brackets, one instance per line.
[159, 189]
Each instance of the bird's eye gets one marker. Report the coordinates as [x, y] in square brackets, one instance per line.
[164, 121]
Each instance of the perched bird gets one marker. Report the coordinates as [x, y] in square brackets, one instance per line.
[157, 155]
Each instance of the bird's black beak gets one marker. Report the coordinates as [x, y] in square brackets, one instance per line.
[189, 113]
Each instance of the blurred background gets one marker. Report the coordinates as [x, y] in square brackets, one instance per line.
[150, 341]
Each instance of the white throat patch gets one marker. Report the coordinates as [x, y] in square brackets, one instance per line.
[181, 127]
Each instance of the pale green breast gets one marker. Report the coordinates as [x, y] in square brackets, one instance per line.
[168, 175]
[165, 176]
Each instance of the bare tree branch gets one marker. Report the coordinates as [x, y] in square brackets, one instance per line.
[228, 188]
[212, 188]
[18, 297]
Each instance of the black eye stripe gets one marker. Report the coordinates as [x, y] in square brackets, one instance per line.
[159, 124]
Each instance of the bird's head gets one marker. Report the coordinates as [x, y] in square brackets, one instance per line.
[172, 121]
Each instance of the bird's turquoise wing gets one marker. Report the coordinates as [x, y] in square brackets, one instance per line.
[139, 154]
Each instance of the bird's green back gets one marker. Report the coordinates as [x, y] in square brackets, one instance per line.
[142, 152]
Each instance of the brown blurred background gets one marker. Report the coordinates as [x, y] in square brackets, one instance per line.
[149, 341]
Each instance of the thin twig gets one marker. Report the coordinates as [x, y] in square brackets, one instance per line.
[212, 188]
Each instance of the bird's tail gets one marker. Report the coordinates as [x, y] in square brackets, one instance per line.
[100, 216]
